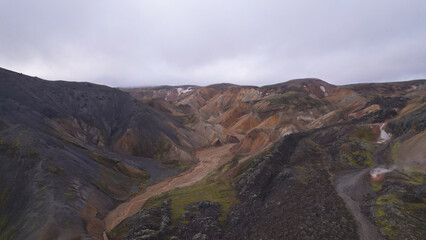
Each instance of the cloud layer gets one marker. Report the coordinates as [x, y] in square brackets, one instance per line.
[146, 43]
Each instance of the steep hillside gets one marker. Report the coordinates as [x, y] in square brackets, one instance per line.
[71, 151]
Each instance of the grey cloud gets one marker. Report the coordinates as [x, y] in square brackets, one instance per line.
[145, 43]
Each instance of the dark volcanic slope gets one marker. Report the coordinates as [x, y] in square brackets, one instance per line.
[93, 114]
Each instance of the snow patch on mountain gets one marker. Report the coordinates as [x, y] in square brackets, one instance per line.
[324, 91]
[183, 90]
[375, 172]
[384, 136]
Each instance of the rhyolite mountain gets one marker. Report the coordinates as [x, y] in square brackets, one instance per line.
[302, 159]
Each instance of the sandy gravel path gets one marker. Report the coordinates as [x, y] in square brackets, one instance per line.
[351, 186]
[209, 160]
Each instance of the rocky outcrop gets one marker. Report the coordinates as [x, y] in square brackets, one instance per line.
[152, 223]
[200, 221]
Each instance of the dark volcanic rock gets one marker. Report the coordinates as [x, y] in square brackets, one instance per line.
[288, 195]
[414, 122]
[388, 102]
[200, 221]
[152, 223]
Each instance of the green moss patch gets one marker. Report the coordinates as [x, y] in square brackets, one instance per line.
[161, 149]
[366, 134]
[220, 191]
[231, 164]
[394, 151]
[415, 177]
[123, 168]
[296, 100]
[386, 225]
[376, 186]
[175, 163]
[396, 217]
[3, 197]
[356, 155]
[55, 170]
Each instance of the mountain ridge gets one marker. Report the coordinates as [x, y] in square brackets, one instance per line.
[72, 153]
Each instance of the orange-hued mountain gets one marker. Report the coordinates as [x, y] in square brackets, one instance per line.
[303, 159]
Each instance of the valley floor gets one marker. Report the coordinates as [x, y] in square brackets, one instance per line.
[209, 159]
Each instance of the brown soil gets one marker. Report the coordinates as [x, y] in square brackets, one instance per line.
[412, 153]
[254, 141]
[232, 116]
[246, 123]
[126, 143]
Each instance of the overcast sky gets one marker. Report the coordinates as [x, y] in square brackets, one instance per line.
[147, 43]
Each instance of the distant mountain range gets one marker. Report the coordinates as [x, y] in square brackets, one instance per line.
[302, 159]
